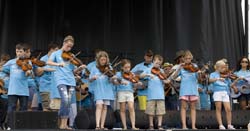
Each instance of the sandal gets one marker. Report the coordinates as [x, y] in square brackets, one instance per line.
[135, 128]
[104, 128]
[151, 128]
[160, 128]
[97, 128]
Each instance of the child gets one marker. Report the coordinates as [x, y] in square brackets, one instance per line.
[188, 89]
[18, 83]
[221, 88]
[103, 90]
[126, 92]
[156, 98]
[65, 80]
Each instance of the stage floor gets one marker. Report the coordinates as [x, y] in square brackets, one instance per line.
[128, 129]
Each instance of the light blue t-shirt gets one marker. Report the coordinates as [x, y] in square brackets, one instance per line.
[155, 87]
[189, 83]
[141, 67]
[204, 97]
[103, 88]
[122, 87]
[89, 67]
[244, 74]
[45, 80]
[54, 92]
[220, 85]
[18, 84]
[63, 75]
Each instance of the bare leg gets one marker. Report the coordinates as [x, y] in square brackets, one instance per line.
[132, 114]
[151, 124]
[193, 114]
[218, 112]
[159, 117]
[183, 114]
[123, 114]
[228, 112]
[98, 113]
[103, 117]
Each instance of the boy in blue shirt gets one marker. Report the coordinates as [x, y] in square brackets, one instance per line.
[155, 95]
[142, 91]
[65, 80]
[18, 83]
[45, 80]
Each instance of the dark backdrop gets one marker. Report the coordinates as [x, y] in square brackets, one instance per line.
[211, 29]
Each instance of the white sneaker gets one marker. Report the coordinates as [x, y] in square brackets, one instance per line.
[230, 127]
[221, 127]
[8, 128]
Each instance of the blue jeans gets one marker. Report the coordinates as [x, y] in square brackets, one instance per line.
[68, 97]
[12, 102]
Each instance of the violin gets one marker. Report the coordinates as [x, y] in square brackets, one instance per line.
[228, 74]
[68, 56]
[131, 77]
[37, 62]
[106, 70]
[24, 64]
[190, 67]
[157, 71]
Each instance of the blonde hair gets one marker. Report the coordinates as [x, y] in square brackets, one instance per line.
[101, 54]
[188, 53]
[69, 38]
[218, 63]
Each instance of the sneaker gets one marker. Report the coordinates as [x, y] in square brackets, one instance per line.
[230, 127]
[221, 127]
[8, 128]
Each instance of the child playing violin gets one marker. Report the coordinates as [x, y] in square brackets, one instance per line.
[188, 87]
[65, 80]
[125, 90]
[221, 88]
[155, 97]
[18, 83]
[103, 88]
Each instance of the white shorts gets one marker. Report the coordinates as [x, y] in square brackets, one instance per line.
[221, 96]
[105, 102]
[125, 96]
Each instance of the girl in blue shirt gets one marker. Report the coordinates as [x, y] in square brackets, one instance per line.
[65, 80]
[103, 89]
[125, 92]
[243, 71]
[188, 89]
[221, 87]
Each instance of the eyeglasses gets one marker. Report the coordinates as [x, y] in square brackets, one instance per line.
[244, 61]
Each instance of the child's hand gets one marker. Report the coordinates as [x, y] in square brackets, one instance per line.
[221, 79]
[124, 82]
[200, 90]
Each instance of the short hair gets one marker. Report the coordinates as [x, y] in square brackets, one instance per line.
[68, 38]
[125, 61]
[219, 63]
[159, 57]
[188, 53]
[52, 45]
[149, 53]
[20, 46]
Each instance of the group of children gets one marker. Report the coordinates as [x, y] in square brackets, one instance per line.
[148, 79]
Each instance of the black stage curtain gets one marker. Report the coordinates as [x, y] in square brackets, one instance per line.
[211, 29]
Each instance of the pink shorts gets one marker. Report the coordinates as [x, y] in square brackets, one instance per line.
[189, 98]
